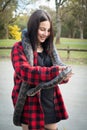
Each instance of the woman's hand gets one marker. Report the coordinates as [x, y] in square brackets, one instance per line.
[61, 68]
[68, 77]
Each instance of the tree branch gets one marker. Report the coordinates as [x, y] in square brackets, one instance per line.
[63, 2]
[5, 5]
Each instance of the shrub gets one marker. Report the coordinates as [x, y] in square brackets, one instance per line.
[14, 32]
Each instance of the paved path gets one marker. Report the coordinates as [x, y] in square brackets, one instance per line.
[74, 94]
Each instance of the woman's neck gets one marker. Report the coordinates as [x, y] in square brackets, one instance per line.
[39, 48]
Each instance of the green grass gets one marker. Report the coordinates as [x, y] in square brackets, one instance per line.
[7, 42]
[72, 43]
[75, 57]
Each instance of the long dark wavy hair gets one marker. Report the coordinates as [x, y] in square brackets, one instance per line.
[33, 25]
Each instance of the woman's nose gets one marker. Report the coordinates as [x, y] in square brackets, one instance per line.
[46, 33]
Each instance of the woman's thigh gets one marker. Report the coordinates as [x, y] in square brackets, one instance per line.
[24, 127]
[52, 126]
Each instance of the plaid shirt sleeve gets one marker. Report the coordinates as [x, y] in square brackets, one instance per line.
[30, 74]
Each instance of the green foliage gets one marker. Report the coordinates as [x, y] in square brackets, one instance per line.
[22, 21]
[73, 16]
[14, 32]
[6, 15]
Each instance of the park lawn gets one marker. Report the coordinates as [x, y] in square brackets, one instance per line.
[72, 43]
[6, 43]
[73, 40]
[65, 42]
[75, 57]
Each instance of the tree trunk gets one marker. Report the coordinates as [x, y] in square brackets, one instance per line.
[81, 30]
[58, 33]
[58, 24]
[58, 3]
[6, 30]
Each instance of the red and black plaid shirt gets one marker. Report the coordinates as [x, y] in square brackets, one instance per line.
[32, 113]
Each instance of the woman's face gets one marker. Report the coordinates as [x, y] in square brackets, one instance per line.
[43, 31]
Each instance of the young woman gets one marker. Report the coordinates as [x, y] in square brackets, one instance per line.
[33, 64]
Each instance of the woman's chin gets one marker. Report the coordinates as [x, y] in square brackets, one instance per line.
[42, 40]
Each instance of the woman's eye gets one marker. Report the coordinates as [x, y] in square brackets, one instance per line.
[42, 29]
[49, 30]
